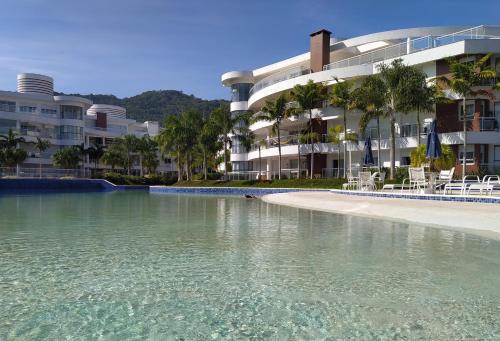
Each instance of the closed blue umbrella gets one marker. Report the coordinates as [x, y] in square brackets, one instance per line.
[368, 159]
[433, 143]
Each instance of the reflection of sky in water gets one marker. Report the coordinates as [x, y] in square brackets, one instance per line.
[128, 265]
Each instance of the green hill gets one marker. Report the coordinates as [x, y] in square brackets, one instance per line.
[156, 105]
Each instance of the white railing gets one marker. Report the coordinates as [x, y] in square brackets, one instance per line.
[276, 78]
[22, 172]
[290, 173]
[416, 45]
[489, 124]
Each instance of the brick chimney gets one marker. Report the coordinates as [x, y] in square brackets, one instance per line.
[101, 120]
[320, 49]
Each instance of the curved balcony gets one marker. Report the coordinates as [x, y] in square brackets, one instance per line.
[364, 64]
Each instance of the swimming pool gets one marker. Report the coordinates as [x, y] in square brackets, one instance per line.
[128, 265]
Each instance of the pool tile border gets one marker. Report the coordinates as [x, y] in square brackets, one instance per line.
[431, 197]
[229, 190]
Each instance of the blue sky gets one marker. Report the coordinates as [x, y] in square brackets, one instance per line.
[125, 47]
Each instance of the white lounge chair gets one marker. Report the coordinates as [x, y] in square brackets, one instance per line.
[416, 179]
[486, 186]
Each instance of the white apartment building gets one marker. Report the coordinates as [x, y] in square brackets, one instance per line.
[351, 59]
[33, 111]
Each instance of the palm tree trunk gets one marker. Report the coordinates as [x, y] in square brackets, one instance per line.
[298, 152]
[338, 162]
[225, 158]
[128, 163]
[378, 144]
[279, 153]
[345, 136]
[465, 140]
[393, 146]
[260, 165]
[311, 141]
[418, 129]
[140, 164]
[40, 165]
[205, 173]
[179, 167]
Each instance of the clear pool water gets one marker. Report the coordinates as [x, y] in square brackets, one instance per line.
[140, 266]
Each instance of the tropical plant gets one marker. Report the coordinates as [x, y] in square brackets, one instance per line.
[335, 136]
[308, 97]
[131, 145]
[41, 145]
[463, 80]
[95, 153]
[275, 112]
[370, 99]
[180, 138]
[229, 125]
[67, 158]
[114, 155]
[261, 143]
[11, 155]
[399, 81]
[147, 149]
[343, 96]
[446, 161]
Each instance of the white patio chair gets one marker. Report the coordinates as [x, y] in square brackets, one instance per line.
[366, 181]
[417, 179]
[445, 176]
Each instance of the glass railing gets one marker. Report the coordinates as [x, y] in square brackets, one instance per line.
[280, 77]
[416, 45]
[489, 124]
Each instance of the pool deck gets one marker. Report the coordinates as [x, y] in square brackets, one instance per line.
[478, 218]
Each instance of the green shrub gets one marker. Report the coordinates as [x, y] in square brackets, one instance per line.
[150, 180]
[210, 176]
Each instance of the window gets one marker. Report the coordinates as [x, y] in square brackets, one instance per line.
[5, 125]
[469, 155]
[240, 92]
[408, 130]
[70, 133]
[469, 107]
[8, 106]
[496, 153]
[497, 109]
[49, 111]
[71, 112]
[27, 108]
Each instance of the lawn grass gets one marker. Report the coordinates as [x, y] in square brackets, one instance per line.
[288, 183]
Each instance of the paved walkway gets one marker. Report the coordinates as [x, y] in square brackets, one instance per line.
[476, 218]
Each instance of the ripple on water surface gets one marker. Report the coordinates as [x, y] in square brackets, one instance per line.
[135, 265]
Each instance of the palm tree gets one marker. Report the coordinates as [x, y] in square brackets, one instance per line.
[275, 112]
[342, 97]
[209, 145]
[464, 80]
[308, 97]
[226, 124]
[95, 153]
[370, 99]
[335, 136]
[67, 158]
[261, 143]
[114, 155]
[10, 153]
[147, 149]
[41, 145]
[131, 144]
[398, 83]
[180, 138]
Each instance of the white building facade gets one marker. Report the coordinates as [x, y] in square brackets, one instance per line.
[33, 111]
[354, 58]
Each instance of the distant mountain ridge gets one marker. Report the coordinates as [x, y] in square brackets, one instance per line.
[156, 105]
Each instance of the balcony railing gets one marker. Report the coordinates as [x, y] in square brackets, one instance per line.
[416, 45]
[276, 78]
[489, 124]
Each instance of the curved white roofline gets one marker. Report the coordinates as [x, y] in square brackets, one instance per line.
[76, 99]
[35, 76]
[233, 77]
